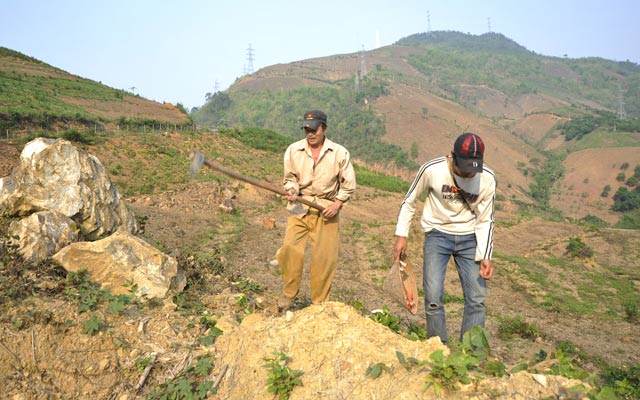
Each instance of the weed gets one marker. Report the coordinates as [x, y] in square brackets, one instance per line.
[452, 298]
[208, 325]
[192, 383]
[87, 293]
[508, 327]
[631, 311]
[407, 363]
[358, 305]
[93, 325]
[282, 379]
[141, 363]
[248, 285]
[416, 332]
[387, 319]
[566, 367]
[243, 302]
[624, 380]
[81, 289]
[376, 369]
[447, 372]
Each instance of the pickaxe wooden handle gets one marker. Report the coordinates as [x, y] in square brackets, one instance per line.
[198, 161]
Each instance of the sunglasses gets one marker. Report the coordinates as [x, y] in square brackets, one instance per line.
[309, 130]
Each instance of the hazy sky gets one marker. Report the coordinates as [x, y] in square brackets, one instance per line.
[177, 50]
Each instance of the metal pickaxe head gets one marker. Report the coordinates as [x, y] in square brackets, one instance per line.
[197, 159]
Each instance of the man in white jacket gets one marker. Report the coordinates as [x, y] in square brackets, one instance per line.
[458, 221]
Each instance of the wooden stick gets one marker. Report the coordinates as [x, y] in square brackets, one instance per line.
[11, 353]
[33, 349]
[255, 182]
[146, 372]
[220, 375]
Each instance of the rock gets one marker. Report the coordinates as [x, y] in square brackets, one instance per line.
[269, 223]
[122, 258]
[43, 234]
[53, 175]
[227, 206]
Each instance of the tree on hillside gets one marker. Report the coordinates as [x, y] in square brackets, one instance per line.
[626, 200]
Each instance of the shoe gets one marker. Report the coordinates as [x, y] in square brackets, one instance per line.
[284, 302]
[274, 263]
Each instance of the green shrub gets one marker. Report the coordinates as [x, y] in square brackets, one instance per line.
[577, 248]
[594, 221]
[73, 135]
[629, 220]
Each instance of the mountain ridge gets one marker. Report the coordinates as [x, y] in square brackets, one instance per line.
[418, 94]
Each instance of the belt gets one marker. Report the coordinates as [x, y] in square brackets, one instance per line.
[313, 211]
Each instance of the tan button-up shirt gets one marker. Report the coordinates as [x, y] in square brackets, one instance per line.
[331, 178]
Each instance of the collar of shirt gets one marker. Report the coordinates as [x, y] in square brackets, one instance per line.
[326, 146]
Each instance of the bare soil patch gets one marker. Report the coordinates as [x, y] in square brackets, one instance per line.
[133, 107]
[587, 172]
[535, 126]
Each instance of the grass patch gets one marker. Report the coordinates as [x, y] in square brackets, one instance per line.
[508, 327]
[380, 181]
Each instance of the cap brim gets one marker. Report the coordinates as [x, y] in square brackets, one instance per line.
[469, 165]
[311, 124]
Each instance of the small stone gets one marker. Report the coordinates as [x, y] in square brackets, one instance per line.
[541, 379]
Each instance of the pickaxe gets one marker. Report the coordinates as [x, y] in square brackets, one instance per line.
[198, 160]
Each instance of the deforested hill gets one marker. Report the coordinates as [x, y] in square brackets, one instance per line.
[397, 106]
[34, 94]
[551, 335]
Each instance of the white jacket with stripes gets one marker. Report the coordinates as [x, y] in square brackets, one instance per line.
[446, 210]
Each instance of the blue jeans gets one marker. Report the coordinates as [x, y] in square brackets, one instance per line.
[438, 249]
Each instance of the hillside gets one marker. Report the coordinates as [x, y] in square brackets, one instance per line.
[35, 95]
[398, 106]
[541, 300]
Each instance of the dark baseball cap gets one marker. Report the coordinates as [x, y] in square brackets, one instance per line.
[313, 119]
[469, 151]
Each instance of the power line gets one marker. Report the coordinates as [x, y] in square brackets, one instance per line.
[622, 114]
[249, 66]
[428, 22]
[489, 24]
[363, 64]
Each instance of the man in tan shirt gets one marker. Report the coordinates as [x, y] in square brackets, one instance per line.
[319, 170]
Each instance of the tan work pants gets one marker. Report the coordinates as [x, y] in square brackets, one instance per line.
[324, 254]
